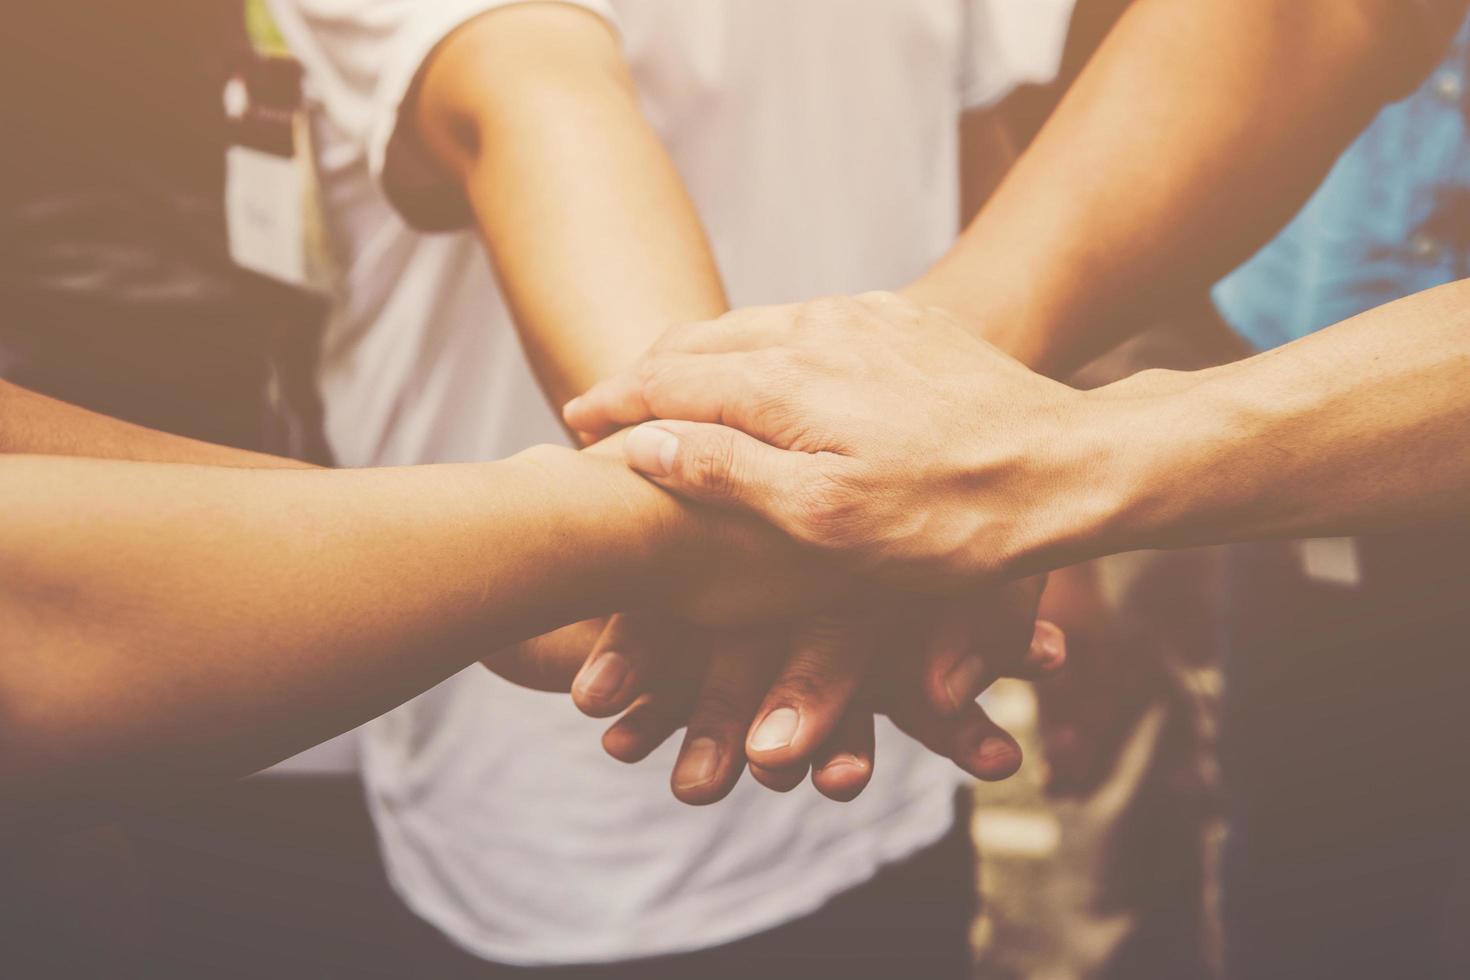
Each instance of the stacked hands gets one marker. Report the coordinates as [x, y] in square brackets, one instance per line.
[802, 417]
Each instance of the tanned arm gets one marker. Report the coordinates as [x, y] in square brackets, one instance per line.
[1191, 137]
[168, 623]
[34, 424]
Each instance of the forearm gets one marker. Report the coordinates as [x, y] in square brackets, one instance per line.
[34, 424]
[1356, 429]
[1194, 133]
[595, 243]
[165, 623]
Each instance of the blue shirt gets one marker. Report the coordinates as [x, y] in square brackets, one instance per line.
[1391, 219]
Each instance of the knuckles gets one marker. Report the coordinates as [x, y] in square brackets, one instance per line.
[710, 466]
[836, 510]
[828, 507]
[822, 317]
[652, 376]
[802, 683]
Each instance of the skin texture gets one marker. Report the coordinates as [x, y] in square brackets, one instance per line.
[1204, 127]
[877, 452]
[168, 623]
[595, 244]
[597, 248]
[1348, 431]
[922, 455]
[177, 611]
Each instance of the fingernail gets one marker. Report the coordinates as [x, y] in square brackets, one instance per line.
[776, 731]
[844, 761]
[604, 678]
[651, 450]
[995, 750]
[963, 681]
[697, 764]
[570, 408]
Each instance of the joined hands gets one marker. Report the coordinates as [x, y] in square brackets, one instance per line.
[768, 419]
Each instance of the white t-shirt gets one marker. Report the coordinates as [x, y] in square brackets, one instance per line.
[818, 139]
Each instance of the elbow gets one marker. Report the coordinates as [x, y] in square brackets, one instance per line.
[503, 69]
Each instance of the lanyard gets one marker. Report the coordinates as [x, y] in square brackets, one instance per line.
[272, 200]
[261, 28]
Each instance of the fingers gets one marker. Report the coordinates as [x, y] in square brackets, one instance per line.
[843, 766]
[624, 399]
[965, 736]
[981, 747]
[713, 755]
[954, 672]
[968, 738]
[980, 638]
[651, 721]
[956, 676]
[623, 660]
[830, 659]
[809, 720]
[781, 780]
[548, 662]
[609, 405]
[1047, 654]
[719, 465]
[675, 385]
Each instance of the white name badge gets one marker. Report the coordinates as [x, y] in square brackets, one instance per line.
[272, 204]
[1331, 561]
[265, 204]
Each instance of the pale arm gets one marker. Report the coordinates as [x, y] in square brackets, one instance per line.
[1192, 136]
[595, 243]
[598, 248]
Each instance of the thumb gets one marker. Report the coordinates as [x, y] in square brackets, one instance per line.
[716, 464]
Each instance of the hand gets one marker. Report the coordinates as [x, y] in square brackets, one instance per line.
[911, 657]
[870, 427]
[705, 565]
[662, 675]
[549, 662]
[669, 674]
[840, 671]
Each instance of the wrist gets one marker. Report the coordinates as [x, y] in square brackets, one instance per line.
[644, 548]
[624, 530]
[1162, 445]
[1116, 474]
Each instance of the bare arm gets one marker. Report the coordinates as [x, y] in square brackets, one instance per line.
[34, 424]
[1359, 428]
[595, 242]
[596, 245]
[165, 623]
[933, 455]
[598, 248]
[1192, 136]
